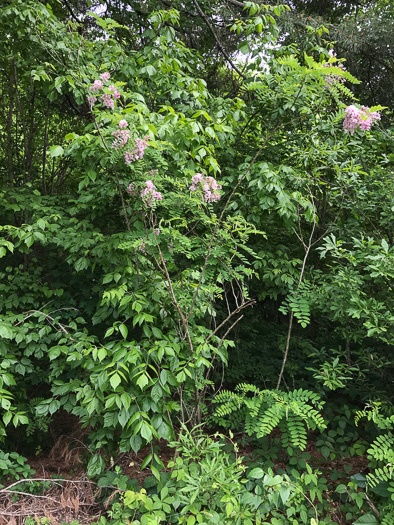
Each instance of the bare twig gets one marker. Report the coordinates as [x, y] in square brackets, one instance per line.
[234, 312]
[224, 52]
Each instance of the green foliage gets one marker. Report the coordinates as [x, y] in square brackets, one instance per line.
[208, 483]
[13, 466]
[333, 375]
[263, 410]
[298, 303]
[382, 449]
[124, 310]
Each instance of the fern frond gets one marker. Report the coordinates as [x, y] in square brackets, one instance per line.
[387, 516]
[294, 412]
[382, 448]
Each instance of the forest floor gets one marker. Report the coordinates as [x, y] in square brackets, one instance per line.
[60, 492]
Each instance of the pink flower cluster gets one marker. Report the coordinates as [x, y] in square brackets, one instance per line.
[149, 194]
[362, 118]
[97, 84]
[121, 138]
[114, 91]
[92, 101]
[208, 185]
[138, 150]
[108, 99]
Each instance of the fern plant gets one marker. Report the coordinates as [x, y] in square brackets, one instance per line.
[263, 410]
[387, 516]
[382, 449]
[298, 302]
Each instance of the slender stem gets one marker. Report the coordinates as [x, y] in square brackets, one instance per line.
[126, 218]
[234, 312]
[243, 175]
[289, 331]
[225, 54]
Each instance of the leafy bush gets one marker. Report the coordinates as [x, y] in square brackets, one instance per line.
[293, 412]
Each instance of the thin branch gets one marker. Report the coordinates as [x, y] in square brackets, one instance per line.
[224, 52]
[243, 175]
[71, 11]
[51, 480]
[228, 331]
[236, 311]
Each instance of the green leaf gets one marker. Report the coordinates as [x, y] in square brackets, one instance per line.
[156, 332]
[146, 432]
[96, 466]
[142, 381]
[6, 331]
[115, 380]
[385, 245]
[367, 519]
[7, 417]
[244, 48]
[257, 473]
[109, 332]
[56, 151]
[135, 443]
[155, 472]
[284, 493]
[123, 330]
[146, 461]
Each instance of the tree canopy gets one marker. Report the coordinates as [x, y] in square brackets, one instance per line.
[197, 236]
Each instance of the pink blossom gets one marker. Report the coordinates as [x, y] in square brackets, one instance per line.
[331, 78]
[149, 194]
[362, 118]
[208, 185]
[123, 123]
[105, 76]
[121, 138]
[128, 157]
[92, 101]
[97, 84]
[138, 151]
[132, 189]
[108, 101]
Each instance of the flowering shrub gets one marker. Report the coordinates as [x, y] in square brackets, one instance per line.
[108, 99]
[138, 151]
[149, 194]
[362, 118]
[207, 185]
[121, 136]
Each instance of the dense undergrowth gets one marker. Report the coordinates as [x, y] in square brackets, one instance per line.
[196, 261]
